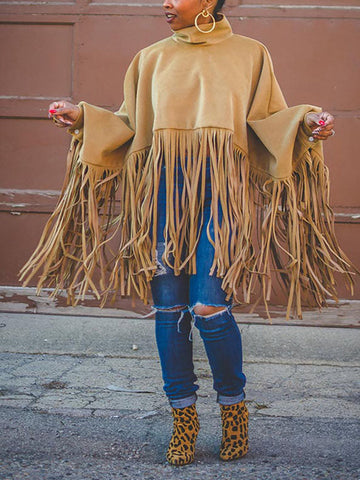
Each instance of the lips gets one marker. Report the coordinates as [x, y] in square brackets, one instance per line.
[170, 16]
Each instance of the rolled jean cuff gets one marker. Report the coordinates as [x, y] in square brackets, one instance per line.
[183, 402]
[226, 400]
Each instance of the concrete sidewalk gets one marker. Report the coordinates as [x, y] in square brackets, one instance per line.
[81, 398]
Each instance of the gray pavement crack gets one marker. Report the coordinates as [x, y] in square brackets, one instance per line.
[275, 361]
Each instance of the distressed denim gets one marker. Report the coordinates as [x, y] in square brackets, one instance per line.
[219, 332]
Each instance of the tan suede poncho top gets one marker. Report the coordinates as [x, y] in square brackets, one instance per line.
[190, 99]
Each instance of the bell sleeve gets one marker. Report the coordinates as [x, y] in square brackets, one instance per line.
[290, 183]
[76, 239]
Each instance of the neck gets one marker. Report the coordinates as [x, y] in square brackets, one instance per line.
[191, 35]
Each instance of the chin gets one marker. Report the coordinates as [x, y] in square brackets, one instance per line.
[180, 27]
[174, 27]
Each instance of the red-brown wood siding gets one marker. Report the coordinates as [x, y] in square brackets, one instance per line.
[80, 50]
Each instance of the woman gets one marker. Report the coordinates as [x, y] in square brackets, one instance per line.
[203, 138]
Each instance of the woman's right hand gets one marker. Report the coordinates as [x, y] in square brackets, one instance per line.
[63, 113]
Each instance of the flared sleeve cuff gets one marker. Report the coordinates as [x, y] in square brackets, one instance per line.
[76, 129]
[104, 136]
[305, 134]
[284, 138]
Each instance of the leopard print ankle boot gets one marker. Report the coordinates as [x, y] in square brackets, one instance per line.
[234, 431]
[185, 431]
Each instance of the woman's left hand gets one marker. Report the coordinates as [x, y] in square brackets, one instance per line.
[321, 124]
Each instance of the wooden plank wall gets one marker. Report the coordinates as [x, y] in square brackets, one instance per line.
[80, 50]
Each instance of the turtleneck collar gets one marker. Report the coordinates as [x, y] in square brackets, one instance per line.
[191, 35]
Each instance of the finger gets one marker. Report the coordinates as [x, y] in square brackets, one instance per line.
[312, 120]
[324, 135]
[57, 104]
[329, 129]
[318, 124]
[61, 111]
[60, 122]
[324, 131]
[63, 120]
[60, 125]
[67, 115]
[321, 120]
[321, 137]
[57, 123]
[324, 127]
[52, 108]
[328, 119]
[327, 116]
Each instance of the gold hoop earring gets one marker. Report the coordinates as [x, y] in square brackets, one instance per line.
[205, 14]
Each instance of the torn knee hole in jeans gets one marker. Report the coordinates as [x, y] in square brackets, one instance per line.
[214, 309]
[178, 308]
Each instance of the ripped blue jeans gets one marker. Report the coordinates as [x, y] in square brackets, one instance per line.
[219, 332]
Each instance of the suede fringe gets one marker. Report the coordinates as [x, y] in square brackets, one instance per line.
[267, 226]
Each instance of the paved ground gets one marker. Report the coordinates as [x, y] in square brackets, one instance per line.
[81, 398]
